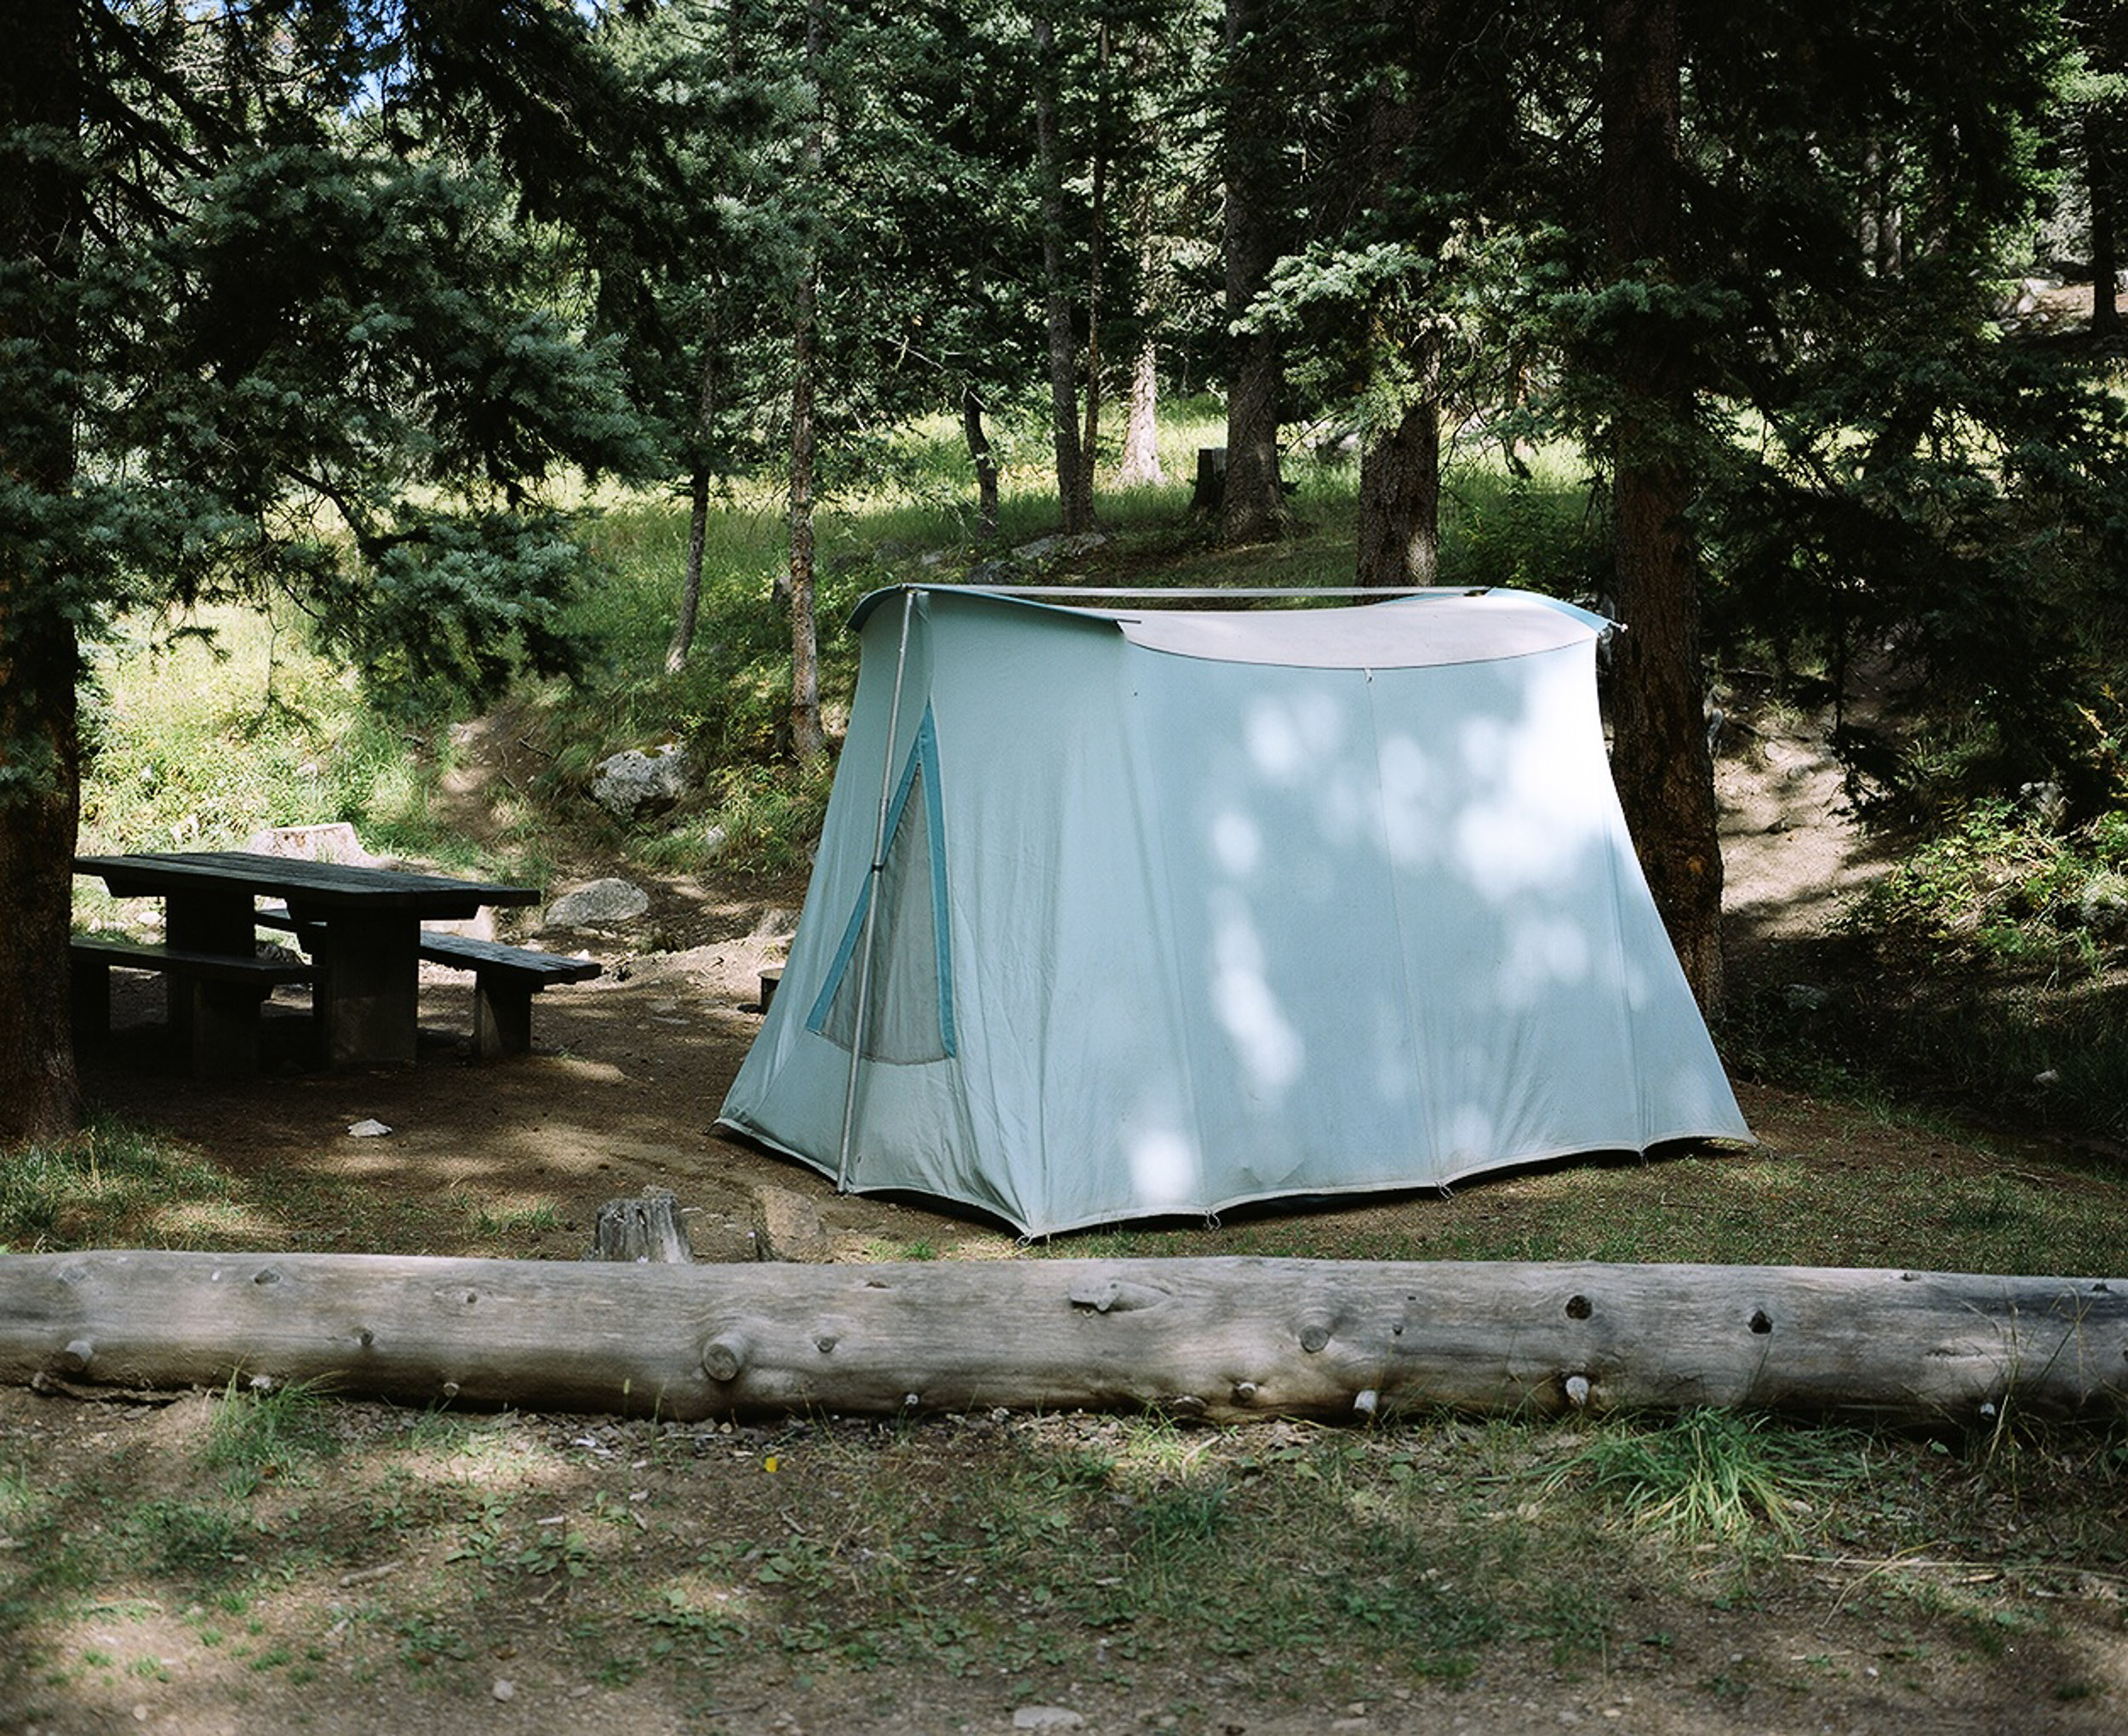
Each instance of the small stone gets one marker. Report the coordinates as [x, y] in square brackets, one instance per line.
[368, 1130]
[504, 1689]
[1047, 1718]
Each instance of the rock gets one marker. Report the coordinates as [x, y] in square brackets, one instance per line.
[334, 843]
[776, 924]
[2103, 907]
[633, 784]
[1047, 1718]
[368, 1130]
[504, 1689]
[598, 903]
[1046, 549]
[789, 1227]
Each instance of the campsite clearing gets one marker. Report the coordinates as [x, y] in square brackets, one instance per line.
[227, 1563]
[230, 1561]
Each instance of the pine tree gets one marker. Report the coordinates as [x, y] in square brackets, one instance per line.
[260, 268]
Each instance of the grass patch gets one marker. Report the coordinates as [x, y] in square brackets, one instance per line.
[111, 1186]
[1713, 1476]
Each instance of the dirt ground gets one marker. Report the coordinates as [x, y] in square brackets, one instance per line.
[619, 1096]
[629, 1069]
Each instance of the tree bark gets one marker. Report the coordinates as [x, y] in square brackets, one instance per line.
[1661, 760]
[808, 741]
[1399, 529]
[1140, 466]
[2102, 184]
[1253, 508]
[1074, 478]
[1227, 1339]
[986, 463]
[698, 480]
[40, 212]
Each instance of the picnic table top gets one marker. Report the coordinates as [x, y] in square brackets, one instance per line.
[314, 885]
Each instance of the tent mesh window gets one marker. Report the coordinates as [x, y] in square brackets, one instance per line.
[906, 990]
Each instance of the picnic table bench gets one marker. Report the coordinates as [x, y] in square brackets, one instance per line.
[505, 980]
[220, 996]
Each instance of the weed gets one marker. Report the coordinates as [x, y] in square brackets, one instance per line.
[424, 1641]
[187, 1539]
[258, 1433]
[1709, 1475]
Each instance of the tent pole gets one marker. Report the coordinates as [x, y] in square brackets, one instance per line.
[872, 897]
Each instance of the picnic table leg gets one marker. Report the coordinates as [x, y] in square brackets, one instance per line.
[368, 999]
[206, 920]
[502, 1016]
[89, 988]
[225, 1018]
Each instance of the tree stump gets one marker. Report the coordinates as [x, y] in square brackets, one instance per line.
[642, 1231]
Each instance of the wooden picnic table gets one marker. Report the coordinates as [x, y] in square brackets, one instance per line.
[364, 925]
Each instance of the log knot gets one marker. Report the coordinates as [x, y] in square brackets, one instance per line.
[1113, 1295]
[724, 1356]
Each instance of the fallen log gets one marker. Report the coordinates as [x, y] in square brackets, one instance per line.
[1227, 1339]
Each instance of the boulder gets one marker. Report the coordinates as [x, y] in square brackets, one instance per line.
[334, 841]
[633, 784]
[598, 903]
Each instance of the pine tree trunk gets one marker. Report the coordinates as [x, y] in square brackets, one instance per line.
[1253, 507]
[986, 463]
[2099, 160]
[1140, 465]
[1398, 537]
[1074, 491]
[1399, 530]
[808, 740]
[1224, 1339]
[1661, 760]
[1089, 442]
[41, 201]
[683, 641]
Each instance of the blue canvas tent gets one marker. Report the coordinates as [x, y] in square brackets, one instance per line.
[1122, 913]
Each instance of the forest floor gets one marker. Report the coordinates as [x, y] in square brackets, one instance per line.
[381, 1570]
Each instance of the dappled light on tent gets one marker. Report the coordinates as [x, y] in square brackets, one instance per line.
[1163, 1170]
[1272, 1052]
[1532, 814]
